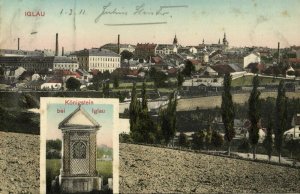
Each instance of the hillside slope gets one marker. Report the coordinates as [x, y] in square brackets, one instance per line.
[19, 163]
[148, 169]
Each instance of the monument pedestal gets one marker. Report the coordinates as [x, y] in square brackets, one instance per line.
[80, 184]
[79, 153]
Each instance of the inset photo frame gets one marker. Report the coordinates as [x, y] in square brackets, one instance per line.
[79, 145]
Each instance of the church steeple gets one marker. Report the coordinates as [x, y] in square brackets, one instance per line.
[225, 42]
[175, 41]
[203, 41]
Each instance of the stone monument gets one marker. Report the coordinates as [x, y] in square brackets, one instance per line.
[79, 153]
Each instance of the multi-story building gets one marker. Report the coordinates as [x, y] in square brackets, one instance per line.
[251, 58]
[114, 47]
[39, 63]
[145, 50]
[97, 59]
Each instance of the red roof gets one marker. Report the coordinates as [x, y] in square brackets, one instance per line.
[194, 61]
[222, 69]
[156, 59]
[172, 71]
[294, 60]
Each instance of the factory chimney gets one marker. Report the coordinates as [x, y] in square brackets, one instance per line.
[118, 43]
[18, 43]
[62, 51]
[56, 45]
[278, 51]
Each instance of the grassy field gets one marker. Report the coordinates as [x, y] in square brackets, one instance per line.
[53, 166]
[247, 80]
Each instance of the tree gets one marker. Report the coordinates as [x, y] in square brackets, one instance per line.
[189, 68]
[227, 111]
[291, 145]
[96, 80]
[216, 139]
[126, 55]
[254, 115]
[180, 79]
[268, 141]
[168, 119]
[73, 84]
[198, 140]
[159, 79]
[145, 130]
[105, 89]
[208, 137]
[182, 140]
[134, 110]
[116, 82]
[280, 117]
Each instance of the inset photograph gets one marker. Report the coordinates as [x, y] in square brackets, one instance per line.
[79, 145]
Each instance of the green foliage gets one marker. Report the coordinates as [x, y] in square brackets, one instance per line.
[189, 68]
[208, 137]
[27, 101]
[227, 111]
[291, 145]
[268, 141]
[168, 119]
[105, 90]
[180, 79]
[142, 128]
[73, 84]
[280, 117]
[97, 80]
[182, 140]
[125, 138]
[216, 140]
[126, 55]
[116, 82]
[198, 140]
[53, 149]
[134, 109]
[160, 78]
[244, 146]
[254, 114]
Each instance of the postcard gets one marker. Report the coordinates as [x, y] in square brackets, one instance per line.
[79, 145]
[204, 96]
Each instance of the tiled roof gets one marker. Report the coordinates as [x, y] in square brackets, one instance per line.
[222, 69]
[96, 52]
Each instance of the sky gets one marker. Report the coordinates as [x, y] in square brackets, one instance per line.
[104, 135]
[245, 22]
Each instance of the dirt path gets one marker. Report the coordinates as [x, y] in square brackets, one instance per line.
[149, 169]
[19, 163]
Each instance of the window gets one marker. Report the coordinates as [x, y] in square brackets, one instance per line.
[79, 150]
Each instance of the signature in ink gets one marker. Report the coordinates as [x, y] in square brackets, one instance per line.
[140, 10]
[107, 11]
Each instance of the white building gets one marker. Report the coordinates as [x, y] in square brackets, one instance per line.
[166, 49]
[251, 58]
[294, 133]
[98, 59]
[65, 63]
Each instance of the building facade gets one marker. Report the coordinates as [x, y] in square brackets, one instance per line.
[98, 59]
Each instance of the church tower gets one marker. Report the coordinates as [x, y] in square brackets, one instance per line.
[225, 42]
[175, 41]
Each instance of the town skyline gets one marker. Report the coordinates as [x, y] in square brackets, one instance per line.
[96, 23]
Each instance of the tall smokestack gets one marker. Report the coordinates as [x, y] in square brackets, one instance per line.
[118, 43]
[278, 51]
[62, 51]
[56, 45]
[18, 43]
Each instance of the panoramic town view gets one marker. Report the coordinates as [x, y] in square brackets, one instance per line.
[206, 103]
